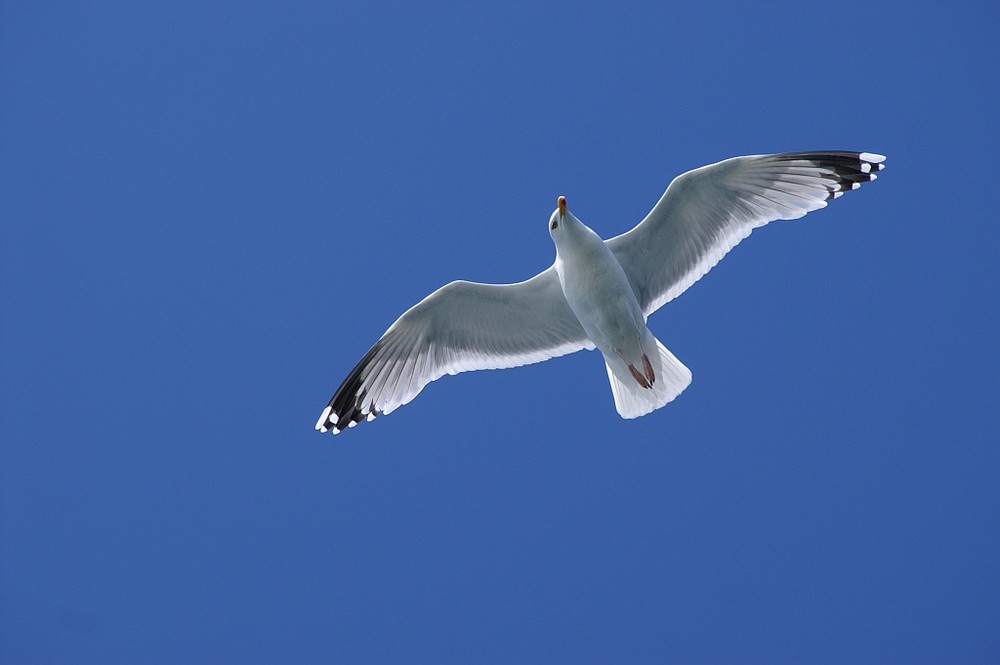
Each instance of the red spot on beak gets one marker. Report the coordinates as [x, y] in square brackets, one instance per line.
[562, 205]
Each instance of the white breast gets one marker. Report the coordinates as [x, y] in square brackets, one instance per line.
[597, 290]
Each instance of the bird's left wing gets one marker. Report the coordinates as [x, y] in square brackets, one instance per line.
[460, 327]
[705, 212]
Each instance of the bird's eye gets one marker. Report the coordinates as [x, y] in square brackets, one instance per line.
[554, 224]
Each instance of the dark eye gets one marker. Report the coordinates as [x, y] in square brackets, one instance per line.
[554, 224]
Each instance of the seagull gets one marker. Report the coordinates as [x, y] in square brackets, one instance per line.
[598, 293]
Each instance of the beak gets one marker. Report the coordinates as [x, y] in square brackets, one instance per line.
[562, 206]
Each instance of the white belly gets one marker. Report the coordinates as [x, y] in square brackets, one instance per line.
[600, 295]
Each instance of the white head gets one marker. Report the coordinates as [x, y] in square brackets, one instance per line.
[560, 219]
[564, 227]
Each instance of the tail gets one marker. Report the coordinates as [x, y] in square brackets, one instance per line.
[631, 398]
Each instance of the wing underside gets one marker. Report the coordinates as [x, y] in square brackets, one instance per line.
[462, 326]
[706, 212]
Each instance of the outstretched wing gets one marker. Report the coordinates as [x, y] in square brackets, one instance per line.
[706, 212]
[460, 327]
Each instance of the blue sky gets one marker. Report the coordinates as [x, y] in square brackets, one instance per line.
[210, 211]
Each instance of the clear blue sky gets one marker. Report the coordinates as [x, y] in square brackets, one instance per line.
[210, 211]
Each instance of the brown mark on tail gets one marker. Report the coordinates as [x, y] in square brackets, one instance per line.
[647, 368]
[639, 377]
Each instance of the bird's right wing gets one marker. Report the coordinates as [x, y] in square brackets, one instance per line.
[460, 327]
[706, 212]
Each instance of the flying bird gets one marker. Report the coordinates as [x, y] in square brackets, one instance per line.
[598, 293]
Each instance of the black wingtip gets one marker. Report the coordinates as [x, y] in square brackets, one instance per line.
[347, 407]
[851, 169]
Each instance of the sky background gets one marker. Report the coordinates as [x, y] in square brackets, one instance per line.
[211, 210]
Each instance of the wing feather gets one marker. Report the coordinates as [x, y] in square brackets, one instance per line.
[706, 212]
[460, 327]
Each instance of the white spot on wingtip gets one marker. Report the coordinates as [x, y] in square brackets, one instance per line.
[322, 419]
[866, 167]
[370, 417]
[873, 177]
[334, 418]
[352, 423]
[855, 185]
[871, 157]
[837, 194]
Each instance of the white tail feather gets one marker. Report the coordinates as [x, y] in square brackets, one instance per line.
[631, 399]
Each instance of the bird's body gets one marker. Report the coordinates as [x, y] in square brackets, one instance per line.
[596, 288]
[598, 293]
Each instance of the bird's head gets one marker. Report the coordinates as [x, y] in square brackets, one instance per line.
[559, 218]
[568, 231]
